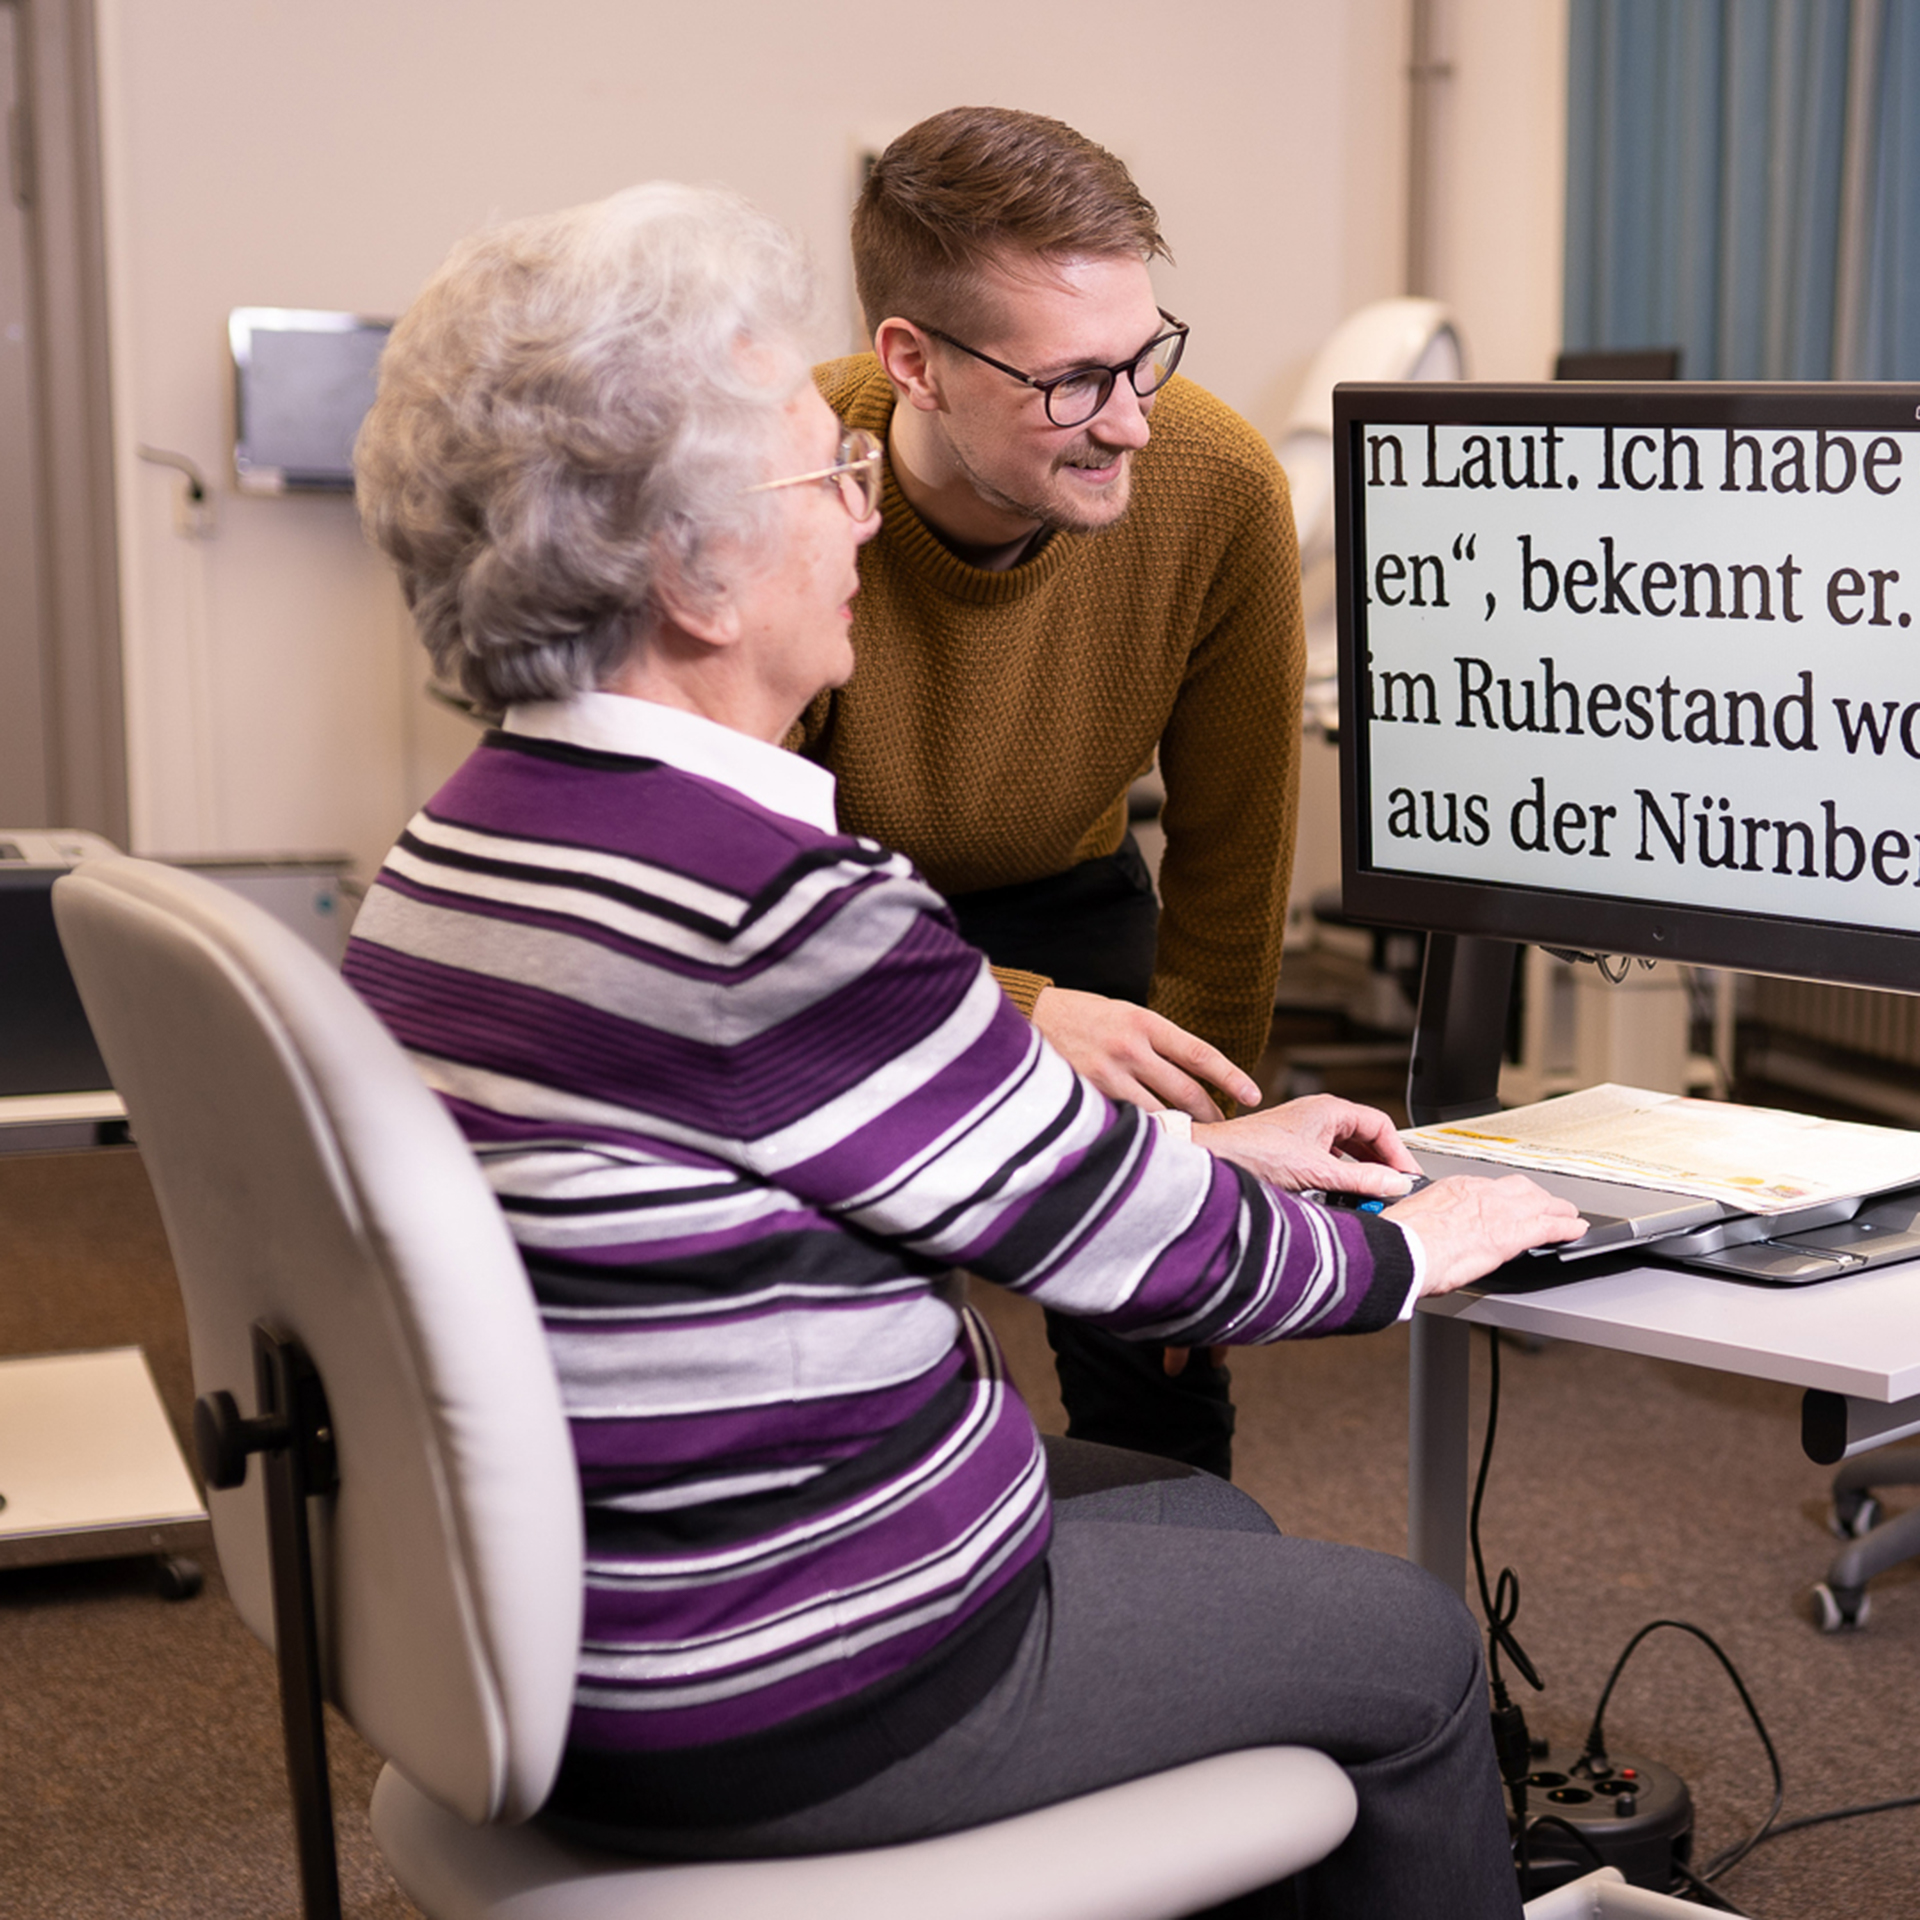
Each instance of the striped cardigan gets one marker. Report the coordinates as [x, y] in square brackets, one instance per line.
[746, 1099]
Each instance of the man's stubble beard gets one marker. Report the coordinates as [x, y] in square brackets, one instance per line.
[1050, 516]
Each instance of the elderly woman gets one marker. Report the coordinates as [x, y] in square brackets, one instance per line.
[748, 1101]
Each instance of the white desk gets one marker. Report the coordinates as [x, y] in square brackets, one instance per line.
[1854, 1343]
[89, 1466]
[58, 1122]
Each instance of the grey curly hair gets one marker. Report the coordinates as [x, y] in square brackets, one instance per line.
[570, 412]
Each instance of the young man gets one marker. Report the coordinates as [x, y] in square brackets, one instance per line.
[1085, 560]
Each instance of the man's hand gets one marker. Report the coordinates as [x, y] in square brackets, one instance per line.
[1468, 1226]
[1137, 1056]
[1321, 1143]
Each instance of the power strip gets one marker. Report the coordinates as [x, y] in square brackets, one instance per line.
[1634, 1814]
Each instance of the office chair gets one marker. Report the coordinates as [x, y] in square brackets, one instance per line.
[417, 1557]
[1873, 1544]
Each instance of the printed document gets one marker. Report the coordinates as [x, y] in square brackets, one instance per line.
[1760, 1159]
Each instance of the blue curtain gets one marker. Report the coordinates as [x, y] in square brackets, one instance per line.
[1743, 182]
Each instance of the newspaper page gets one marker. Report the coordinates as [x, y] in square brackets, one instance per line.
[1760, 1159]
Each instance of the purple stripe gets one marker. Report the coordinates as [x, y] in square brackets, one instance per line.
[976, 1084]
[486, 1127]
[643, 1728]
[724, 966]
[971, 1501]
[751, 1089]
[1281, 1249]
[820, 1686]
[647, 813]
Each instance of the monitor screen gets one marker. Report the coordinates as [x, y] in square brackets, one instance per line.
[1635, 669]
[303, 382]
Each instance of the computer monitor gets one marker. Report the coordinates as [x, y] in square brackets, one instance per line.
[1635, 669]
[302, 384]
[46, 1044]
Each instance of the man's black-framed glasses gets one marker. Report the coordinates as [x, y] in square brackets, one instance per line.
[1072, 399]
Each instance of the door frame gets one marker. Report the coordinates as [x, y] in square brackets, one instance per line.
[73, 423]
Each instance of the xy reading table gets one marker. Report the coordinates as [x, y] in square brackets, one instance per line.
[1852, 1343]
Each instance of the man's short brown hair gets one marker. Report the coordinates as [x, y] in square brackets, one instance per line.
[961, 191]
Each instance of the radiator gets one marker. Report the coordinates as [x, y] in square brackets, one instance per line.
[1885, 1025]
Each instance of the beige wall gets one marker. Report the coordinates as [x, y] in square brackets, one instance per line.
[269, 152]
[1501, 174]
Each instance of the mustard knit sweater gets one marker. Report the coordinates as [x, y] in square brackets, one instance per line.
[996, 720]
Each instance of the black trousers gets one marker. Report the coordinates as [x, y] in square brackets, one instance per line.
[1093, 928]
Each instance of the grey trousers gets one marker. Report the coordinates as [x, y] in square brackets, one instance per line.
[1177, 1622]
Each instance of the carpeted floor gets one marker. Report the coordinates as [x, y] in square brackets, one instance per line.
[139, 1741]
[140, 1768]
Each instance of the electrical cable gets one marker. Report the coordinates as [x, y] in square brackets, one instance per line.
[1572, 1832]
[1502, 1603]
[1596, 1747]
[1840, 1813]
[1511, 1744]
[162, 457]
[1705, 1895]
[1612, 968]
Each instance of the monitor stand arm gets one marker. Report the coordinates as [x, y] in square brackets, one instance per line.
[1465, 989]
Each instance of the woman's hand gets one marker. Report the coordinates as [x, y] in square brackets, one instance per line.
[1137, 1056]
[1469, 1225]
[1319, 1143]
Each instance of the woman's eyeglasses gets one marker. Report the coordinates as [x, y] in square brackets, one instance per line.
[855, 476]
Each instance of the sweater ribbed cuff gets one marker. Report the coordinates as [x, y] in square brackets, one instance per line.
[1393, 1275]
[1023, 989]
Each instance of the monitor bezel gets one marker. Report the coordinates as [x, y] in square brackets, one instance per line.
[1552, 917]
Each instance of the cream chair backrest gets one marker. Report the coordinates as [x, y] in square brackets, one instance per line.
[307, 1177]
